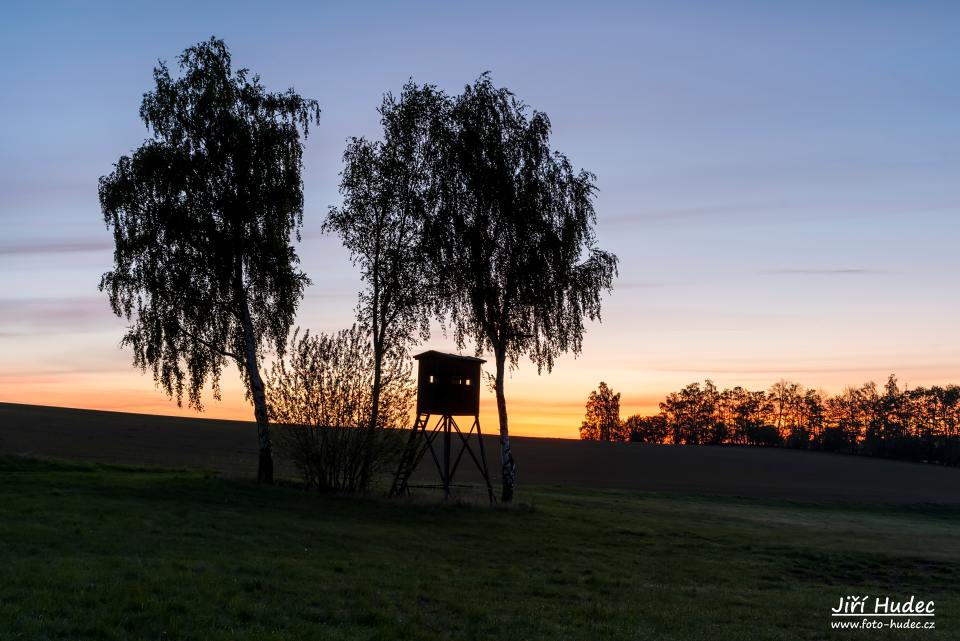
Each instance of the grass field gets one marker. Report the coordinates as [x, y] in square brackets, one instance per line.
[91, 551]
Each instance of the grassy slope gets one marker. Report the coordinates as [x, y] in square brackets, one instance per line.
[105, 552]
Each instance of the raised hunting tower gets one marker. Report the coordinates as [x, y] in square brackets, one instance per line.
[448, 385]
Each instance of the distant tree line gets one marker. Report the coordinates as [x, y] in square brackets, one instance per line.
[920, 424]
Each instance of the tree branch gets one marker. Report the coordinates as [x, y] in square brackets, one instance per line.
[209, 345]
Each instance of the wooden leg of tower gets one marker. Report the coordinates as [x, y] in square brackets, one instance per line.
[464, 447]
[429, 439]
[483, 461]
[446, 457]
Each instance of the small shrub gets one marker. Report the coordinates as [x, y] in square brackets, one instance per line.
[322, 396]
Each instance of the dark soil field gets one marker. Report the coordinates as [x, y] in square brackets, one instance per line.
[229, 447]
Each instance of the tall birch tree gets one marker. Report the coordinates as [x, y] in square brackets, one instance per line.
[203, 214]
[513, 243]
[389, 191]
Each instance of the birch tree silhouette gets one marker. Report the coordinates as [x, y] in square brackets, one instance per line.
[389, 190]
[202, 217]
[513, 243]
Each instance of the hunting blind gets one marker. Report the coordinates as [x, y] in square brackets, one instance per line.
[448, 385]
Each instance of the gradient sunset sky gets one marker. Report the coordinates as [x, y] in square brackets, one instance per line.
[781, 181]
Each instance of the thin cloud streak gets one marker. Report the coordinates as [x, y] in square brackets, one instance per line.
[37, 316]
[778, 212]
[55, 308]
[682, 213]
[789, 371]
[825, 272]
[650, 284]
[54, 247]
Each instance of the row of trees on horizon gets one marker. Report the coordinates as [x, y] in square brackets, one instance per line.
[919, 424]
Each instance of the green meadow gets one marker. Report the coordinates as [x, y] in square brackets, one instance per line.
[92, 552]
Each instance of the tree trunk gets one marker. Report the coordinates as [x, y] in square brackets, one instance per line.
[374, 415]
[375, 392]
[507, 465]
[265, 464]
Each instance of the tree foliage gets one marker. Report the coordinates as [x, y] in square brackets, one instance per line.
[517, 243]
[203, 214]
[602, 420]
[646, 429]
[513, 244]
[689, 413]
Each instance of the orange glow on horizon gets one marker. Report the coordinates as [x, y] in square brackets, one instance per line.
[533, 411]
[545, 406]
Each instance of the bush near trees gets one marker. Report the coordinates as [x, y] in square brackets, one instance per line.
[322, 394]
[920, 424]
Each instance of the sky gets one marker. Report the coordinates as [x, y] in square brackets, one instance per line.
[781, 181]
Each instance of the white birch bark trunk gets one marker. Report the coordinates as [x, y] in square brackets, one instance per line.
[507, 465]
[265, 461]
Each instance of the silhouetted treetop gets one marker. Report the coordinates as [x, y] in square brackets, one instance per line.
[602, 419]
[518, 224]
